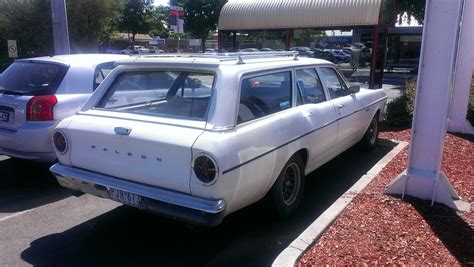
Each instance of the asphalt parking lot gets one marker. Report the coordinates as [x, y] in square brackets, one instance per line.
[42, 224]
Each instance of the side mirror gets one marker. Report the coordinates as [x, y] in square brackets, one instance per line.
[354, 89]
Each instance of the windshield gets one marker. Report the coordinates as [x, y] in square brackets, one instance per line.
[31, 78]
[161, 93]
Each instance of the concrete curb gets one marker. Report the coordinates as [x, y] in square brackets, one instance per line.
[295, 250]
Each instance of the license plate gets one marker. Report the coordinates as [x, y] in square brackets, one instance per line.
[4, 116]
[126, 198]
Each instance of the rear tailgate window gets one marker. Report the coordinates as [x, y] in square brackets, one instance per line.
[179, 94]
[32, 78]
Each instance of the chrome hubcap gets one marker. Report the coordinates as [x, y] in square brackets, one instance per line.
[373, 131]
[291, 184]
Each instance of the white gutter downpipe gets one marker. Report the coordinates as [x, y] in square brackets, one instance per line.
[464, 68]
[423, 178]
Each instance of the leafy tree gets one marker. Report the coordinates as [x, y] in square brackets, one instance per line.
[90, 21]
[135, 17]
[201, 16]
[394, 10]
[412, 8]
[29, 23]
[157, 20]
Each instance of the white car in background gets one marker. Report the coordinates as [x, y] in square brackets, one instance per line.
[198, 137]
[36, 93]
[135, 49]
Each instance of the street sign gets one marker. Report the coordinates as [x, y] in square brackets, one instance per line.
[176, 19]
[157, 41]
[12, 49]
[180, 12]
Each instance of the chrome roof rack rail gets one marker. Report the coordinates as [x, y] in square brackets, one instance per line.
[238, 56]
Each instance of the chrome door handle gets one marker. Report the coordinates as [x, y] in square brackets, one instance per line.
[340, 105]
[312, 113]
[122, 130]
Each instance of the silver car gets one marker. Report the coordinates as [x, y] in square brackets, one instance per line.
[37, 93]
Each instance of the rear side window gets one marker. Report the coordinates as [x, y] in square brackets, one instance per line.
[309, 86]
[101, 71]
[161, 93]
[264, 95]
[32, 78]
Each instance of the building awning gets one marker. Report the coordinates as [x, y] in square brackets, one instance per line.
[294, 14]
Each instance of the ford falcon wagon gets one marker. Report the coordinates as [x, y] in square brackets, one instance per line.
[197, 137]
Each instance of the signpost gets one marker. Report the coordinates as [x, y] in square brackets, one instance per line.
[157, 41]
[60, 30]
[12, 49]
[176, 21]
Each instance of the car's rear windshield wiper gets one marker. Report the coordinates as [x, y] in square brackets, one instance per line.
[10, 92]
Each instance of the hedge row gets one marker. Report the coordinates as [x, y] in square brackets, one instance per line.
[400, 110]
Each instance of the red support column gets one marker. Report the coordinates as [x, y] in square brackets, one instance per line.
[219, 41]
[288, 37]
[373, 61]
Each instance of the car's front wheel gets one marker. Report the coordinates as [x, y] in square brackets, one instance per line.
[369, 140]
[287, 191]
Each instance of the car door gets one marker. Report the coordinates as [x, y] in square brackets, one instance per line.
[346, 105]
[319, 113]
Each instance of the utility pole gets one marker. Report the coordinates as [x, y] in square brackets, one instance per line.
[60, 30]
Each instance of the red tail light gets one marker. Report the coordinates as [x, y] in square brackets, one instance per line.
[40, 108]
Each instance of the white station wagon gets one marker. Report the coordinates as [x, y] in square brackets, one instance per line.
[197, 137]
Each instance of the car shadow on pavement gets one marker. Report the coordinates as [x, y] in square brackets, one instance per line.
[26, 184]
[455, 233]
[249, 237]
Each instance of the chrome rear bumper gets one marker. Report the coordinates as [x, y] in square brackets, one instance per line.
[158, 200]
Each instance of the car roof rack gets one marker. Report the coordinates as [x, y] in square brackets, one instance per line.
[238, 56]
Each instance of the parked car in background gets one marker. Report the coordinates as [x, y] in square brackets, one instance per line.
[344, 57]
[156, 50]
[198, 143]
[335, 57]
[326, 55]
[249, 50]
[135, 49]
[303, 51]
[210, 50]
[36, 93]
[266, 49]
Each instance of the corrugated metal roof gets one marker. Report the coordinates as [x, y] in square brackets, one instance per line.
[284, 14]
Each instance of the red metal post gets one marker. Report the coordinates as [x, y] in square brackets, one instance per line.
[373, 62]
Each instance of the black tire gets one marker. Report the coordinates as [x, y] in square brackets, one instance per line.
[287, 191]
[369, 140]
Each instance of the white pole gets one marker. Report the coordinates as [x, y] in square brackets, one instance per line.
[463, 78]
[423, 178]
[60, 30]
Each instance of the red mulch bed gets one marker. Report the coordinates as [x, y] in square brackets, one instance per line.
[377, 229]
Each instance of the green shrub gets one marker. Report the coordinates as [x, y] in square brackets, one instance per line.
[470, 109]
[400, 110]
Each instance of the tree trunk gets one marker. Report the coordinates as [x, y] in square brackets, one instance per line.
[203, 43]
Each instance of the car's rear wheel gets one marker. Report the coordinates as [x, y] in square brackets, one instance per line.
[287, 191]
[369, 140]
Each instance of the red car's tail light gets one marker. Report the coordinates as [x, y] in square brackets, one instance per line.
[40, 108]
